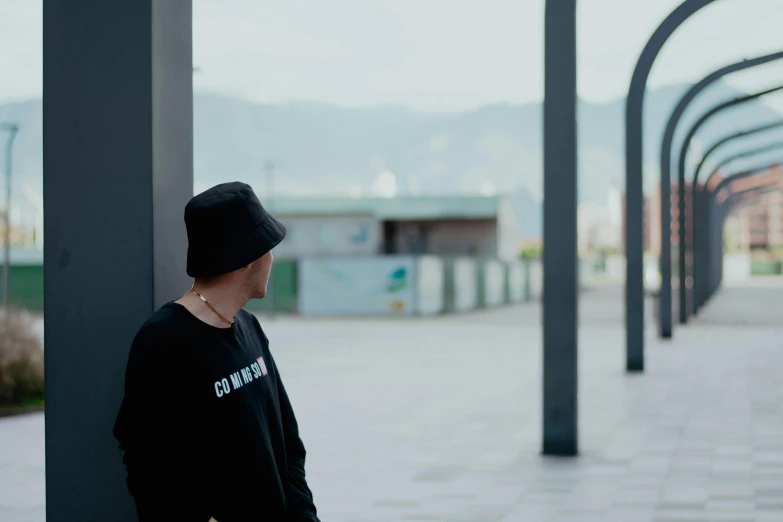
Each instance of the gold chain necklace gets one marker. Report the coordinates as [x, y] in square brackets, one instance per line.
[230, 323]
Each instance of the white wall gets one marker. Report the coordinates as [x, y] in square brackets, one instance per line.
[736, 268]
[586, 271]
[536, 279]
[494, 283]
[430, 281]
[465, 285]
[516, 278]
[357, 286]
[615, 268]
[313, 236]
[507, 244]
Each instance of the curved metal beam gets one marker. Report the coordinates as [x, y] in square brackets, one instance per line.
[741, 155]
[728, 139]
[764, 166]
[767, 188]
[734, 102]
[742, 175]
[634, 243]
[666, 153]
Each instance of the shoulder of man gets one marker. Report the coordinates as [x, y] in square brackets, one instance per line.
[252, 320]
[157, 336]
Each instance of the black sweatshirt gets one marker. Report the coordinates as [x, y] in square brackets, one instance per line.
[207, 427]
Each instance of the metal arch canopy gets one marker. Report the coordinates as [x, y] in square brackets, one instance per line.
[665, 167]
[714, 216]
[734, 102]
[634, 245]
[700, 255]
[560, 325]
[698, 218]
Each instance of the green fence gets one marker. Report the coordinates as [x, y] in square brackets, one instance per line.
[27, 288]
[27, 285]
[26, 282]
[765, 267]
[283, 289]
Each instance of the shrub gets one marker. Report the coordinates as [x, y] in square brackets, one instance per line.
[532, 251]
[21, 358]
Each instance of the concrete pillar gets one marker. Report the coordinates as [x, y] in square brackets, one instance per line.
[118, 171]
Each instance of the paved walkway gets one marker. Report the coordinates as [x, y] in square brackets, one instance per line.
[440, 420]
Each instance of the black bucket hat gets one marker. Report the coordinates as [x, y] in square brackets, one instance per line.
[228, 228]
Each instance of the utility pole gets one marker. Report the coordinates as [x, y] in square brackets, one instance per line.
[269, 168]
[12, 129]
[36, 199]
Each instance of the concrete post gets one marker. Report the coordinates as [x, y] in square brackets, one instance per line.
[118, 171]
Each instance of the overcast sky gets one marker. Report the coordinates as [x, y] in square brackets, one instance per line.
[426, 54]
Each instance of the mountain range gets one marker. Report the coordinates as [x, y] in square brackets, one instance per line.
[320, 149]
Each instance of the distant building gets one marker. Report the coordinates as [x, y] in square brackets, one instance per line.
[481, 226]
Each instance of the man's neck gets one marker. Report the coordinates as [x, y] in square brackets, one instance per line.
[224, 298]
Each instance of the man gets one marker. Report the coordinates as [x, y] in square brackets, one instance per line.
[206, 425]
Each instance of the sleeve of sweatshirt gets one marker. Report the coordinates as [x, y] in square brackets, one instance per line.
[301, 507]
[149, 434]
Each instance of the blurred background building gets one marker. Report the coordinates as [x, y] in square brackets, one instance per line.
[477, 226]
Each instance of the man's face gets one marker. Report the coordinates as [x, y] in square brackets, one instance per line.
[258, 276]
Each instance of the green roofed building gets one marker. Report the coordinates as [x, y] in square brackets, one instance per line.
[480, 226]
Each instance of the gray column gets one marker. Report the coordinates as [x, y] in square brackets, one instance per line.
[720, 214]
[561, 266]
[714, 253]
[118, 170]
[703, 241]
[683, 252]
[725, 211]
[712, 221]
[695, 244]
